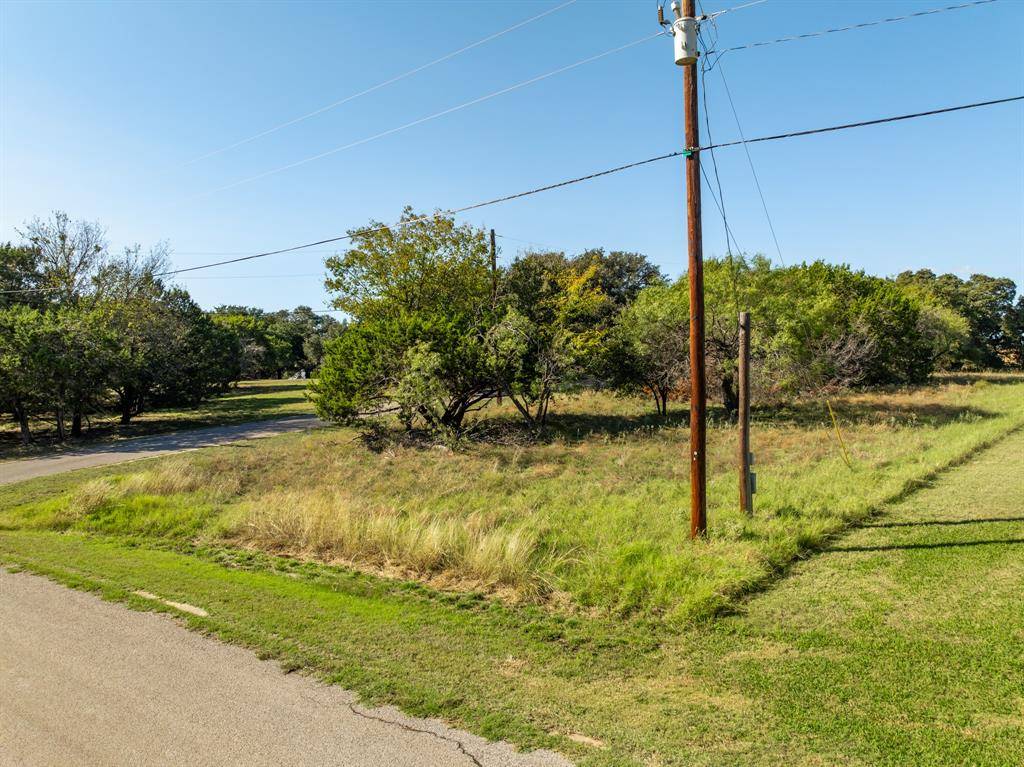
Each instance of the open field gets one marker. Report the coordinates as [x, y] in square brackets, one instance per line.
[592, 522]
[248, 401]
[898, 644]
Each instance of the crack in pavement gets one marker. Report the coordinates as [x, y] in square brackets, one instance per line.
[454, 741]
[408, 728]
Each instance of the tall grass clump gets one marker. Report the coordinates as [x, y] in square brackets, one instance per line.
[473, 549]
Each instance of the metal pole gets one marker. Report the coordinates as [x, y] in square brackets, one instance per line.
[698, 383]
[746, 499]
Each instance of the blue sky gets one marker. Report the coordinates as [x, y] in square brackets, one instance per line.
[106, 105]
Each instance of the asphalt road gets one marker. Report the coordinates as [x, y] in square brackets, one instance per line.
[88, 682]
[148, 447]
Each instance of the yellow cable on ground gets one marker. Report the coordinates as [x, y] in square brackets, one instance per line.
[839, 435]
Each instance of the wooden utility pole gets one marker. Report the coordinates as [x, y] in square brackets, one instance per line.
[494, 271]
[746, 498]
[695, 273]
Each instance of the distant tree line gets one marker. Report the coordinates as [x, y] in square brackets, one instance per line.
[435, 335]
[86, 332]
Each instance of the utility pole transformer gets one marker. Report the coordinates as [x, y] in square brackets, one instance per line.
[684, 32]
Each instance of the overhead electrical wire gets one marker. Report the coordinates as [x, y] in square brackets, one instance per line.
[529, 242]
[599, 174]
[433, 116]
[862, 25]
[385, 83]
[569, 182]
[720, 199]
[450, 212]
[753, 171]
[255, 276]
[716, 14]
[860, 124]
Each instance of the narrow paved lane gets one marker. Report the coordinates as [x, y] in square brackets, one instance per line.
[149, 447]
[87, 682]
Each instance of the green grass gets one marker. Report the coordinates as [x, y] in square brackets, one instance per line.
[898, 644]
[248, 401]
[592, 522]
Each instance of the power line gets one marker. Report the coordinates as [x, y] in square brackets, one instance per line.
[378, 86]
[586, 178]
[720, 199]
[576, 180]
[227, 252]
[750, 162]
[451, 212]
[531, 242]
[861, 124]
[716, 14]
[862, 25]
[721, 210]
[434, 116]
[257, 276]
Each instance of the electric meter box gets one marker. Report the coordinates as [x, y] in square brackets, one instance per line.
[684, 33]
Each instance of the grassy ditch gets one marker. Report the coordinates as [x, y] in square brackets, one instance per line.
[591, 522]
[897, 644]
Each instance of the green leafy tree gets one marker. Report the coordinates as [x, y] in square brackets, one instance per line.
[986, 303]
[648, 348]
[621, 275]
[551, 334]
[24, 364]
[20, 277]
[419, 299]
[68, 254]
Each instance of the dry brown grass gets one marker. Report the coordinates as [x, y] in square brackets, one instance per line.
[333, 527]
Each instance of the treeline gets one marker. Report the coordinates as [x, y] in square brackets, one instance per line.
[436, 334]
[85, 332]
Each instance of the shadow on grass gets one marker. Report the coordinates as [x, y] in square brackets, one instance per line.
[943, 522]
[296, 388]
[970, 378]
[733, 602]
[938, 545]
[574, 427]
[815, 413]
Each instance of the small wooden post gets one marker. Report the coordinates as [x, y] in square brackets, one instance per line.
[746, 497]
[494, 271]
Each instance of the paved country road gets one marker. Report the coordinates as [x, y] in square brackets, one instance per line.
[88, 682]
[148, 447]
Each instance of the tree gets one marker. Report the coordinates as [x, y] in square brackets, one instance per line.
[550, 335]
[815, 326]
[80, 344]
[168, 351]
[648, 348]
[69, 253]
[419, 298]
[264, 348]
[986, 303]
[304, 330]
[23, 364]
[20, 277]
[621, 275]
[203, 358]
[1013, 331]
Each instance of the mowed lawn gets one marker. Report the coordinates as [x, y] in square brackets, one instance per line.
[899, 643]
[247, 401]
